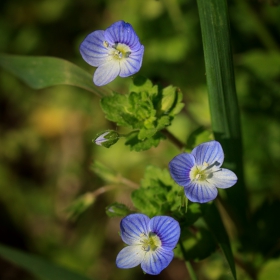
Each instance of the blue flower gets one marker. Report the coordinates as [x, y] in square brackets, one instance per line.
[200, 172]
[150, 241]
[115, 51]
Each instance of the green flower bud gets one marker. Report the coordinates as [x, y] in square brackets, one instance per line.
[107, 138]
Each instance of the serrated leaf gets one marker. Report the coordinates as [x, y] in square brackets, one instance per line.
[215, 224]
[115, 109]
[158, 193]
[145, 202]
[143, 84]
[40, 72]
[42, 269]
[138, 145]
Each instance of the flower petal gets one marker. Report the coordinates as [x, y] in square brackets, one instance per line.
[122, 32]
[92, 49]
[223, 178]
[155, 261]
[180, 167]
[167, 229]
[209, 152]
[132, 64]
[106, 72]
[201, 192]
[130, 256]
[133, 227]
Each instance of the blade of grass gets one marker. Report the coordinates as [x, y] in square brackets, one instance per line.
[223, 102]
[42, 269]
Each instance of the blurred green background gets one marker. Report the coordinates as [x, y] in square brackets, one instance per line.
[46, 149]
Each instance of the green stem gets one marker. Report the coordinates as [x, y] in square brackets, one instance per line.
[173, 139]
[188, 264]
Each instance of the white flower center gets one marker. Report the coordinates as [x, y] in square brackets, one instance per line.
[118, 51]
[150, 242]
[202, 172]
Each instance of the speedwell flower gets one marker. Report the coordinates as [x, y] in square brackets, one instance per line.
[150, 241]
[115, 51]
[200, 172]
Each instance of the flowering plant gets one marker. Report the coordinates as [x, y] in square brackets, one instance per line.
[176, 199]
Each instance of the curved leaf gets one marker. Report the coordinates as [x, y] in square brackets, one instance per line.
[41, 71]
[215, 224]
[39, 267]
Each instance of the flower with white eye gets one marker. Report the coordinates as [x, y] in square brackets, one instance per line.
[115, 52]
[200, 172]
[150, 242]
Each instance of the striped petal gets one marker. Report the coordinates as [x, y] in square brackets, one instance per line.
[223, 178]
[167, 229]
[106, 72]
[209, 152]
[93, 50]
[155, 261]
[132, 64]
[180, 167]
[133, 227]
[122, 32]
[201, 192]
[130, 256]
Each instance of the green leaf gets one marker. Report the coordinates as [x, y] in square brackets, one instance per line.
[171, 101]
[115, 109]
[198, 244]
[215, 224]
[42, 269]
[142, 84]
[138, 145]
[225, 115]
[158, 193]
[40, 72]
[117, 210]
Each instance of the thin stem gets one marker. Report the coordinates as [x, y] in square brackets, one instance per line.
[188, 264]
[173, 139]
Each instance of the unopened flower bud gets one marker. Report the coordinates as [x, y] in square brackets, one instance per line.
[107, 138]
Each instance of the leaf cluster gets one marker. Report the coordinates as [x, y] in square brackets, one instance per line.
[146, 109]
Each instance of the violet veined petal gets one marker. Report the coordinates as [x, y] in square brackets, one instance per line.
[167, 229]
[93, 50]
[106, 72]
[223, 178]
[122, 32]
[180, 167]
[133, 227]
[201, 192]
[209, 152]
[130, 256]
[132, 64]
[155, 261]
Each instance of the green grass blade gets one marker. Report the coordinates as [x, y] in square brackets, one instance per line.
[215, 224]
[37, 266]
[223, 102]
[40, 72]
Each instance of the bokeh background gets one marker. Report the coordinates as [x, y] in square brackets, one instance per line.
[46, 150]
